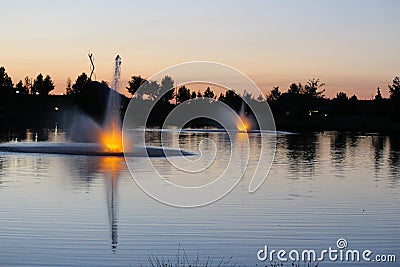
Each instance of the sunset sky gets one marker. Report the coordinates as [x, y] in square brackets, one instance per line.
[352, 46]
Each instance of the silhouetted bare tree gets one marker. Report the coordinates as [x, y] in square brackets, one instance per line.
[313, 88]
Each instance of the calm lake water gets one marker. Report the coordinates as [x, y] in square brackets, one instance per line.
[87, 211]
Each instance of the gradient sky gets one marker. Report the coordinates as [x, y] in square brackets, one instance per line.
[352, 46]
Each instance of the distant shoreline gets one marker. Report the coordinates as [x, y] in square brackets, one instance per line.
[359, 124]
[30, 111]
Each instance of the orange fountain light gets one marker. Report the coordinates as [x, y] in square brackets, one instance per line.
[243, 125]
[111, 139]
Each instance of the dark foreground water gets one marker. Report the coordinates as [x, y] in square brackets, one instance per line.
[88, 211]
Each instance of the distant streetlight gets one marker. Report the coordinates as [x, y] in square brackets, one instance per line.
[37, 93]
[17, 92]
[56, 108]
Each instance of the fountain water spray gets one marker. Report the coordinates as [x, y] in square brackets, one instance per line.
[243, 124]
[117, 73]
[88, 137]
[111, 137]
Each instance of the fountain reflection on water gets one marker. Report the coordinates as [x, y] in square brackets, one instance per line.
[112, 166]
[111, 141]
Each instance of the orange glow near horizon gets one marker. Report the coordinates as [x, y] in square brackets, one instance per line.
[351, 46]
[111, 139]
[363, 85]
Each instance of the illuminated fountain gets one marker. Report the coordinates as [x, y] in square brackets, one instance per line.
[111, 135]
[243, 124]
[108, 135]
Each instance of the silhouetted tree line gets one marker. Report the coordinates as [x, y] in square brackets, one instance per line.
[40, 86]
[151, 90]
[302, 101]
[298, 101]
